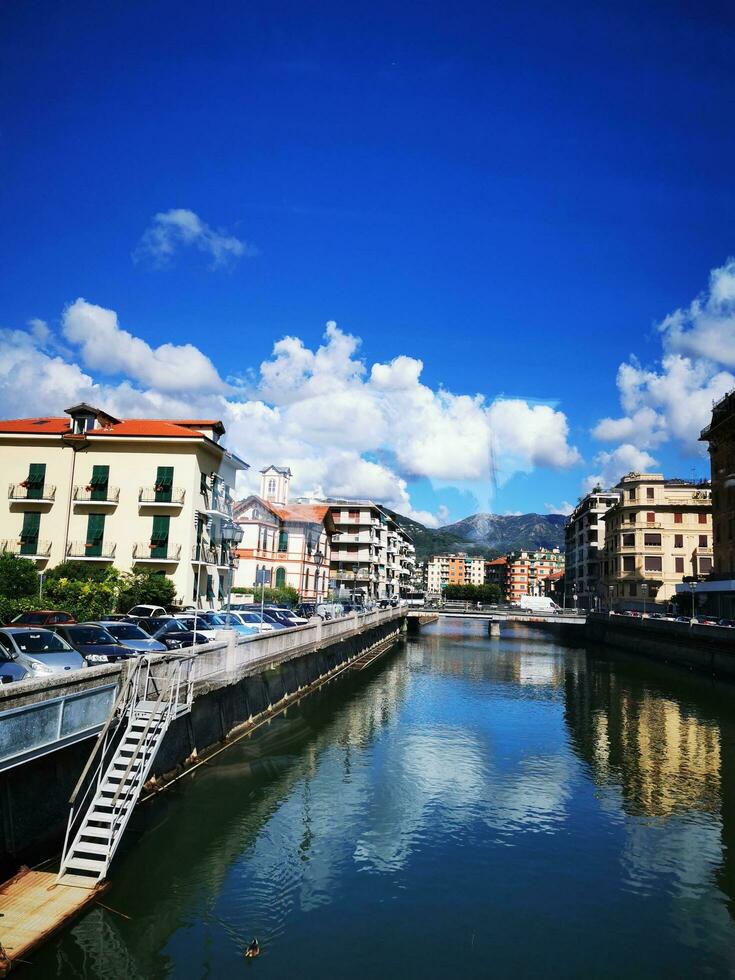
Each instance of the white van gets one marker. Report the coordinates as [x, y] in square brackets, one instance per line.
[537, 603]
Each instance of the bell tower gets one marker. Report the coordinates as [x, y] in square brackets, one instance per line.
[274, 481]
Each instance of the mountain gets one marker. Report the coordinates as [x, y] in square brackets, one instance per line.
[488, 535]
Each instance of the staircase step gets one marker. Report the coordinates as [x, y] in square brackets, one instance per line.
[79, 881]
[85, 864]
[86, 847]
[100, 833]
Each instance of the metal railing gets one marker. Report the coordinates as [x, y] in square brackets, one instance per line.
[103, 551]
[26, 491]
[38, 549]
[148, 551]
[204, 553]
[91, 495]
[171, 496]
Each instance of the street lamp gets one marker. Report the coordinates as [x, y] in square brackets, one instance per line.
[693, 587]
[231, 534]
[644, 593]
[317, 558]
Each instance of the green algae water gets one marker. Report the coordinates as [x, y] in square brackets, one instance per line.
[466, 807]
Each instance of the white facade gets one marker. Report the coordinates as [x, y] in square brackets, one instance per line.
[585, 544]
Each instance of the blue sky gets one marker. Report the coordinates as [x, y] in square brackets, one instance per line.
[515, 195]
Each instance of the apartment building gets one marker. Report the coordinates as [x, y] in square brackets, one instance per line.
[496, 573]
[657, 534]
[459, 569]
[290, 543]
[527, 570]
[584, 547]
[133, 493]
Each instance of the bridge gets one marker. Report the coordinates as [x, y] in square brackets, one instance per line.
[567, 617]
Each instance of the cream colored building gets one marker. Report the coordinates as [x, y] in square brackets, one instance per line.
[289, 542]
[133, 493]
[459, 569]
[659, 532]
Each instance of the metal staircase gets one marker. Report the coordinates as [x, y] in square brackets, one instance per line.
[153, 694]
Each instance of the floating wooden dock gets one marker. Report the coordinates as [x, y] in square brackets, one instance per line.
[33, 907]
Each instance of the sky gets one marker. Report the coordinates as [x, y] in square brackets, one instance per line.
[456, 258]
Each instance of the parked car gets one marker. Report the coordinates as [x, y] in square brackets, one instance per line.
[43, 617]
[10, 671]
[285, 616]
[203, 625]
[235, 621]
[172, 633]
[146, 612]
[727, 622]
[40, 651]
[682, 619]
[306, 609]
[249, 618]
[131, 636]
[95, 644]
[329, 610]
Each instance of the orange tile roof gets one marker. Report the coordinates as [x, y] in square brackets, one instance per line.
[161, 428]
[40, 425]
[314, 513]
[498, 561]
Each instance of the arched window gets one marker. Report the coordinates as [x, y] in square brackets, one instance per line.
[280, 578]
[271, 486]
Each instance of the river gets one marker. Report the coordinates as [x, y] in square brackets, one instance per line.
[466, 807]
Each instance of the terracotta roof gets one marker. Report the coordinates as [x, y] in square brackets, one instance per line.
[39, 425]
[498, 561]
[313, 513]
[171, 428]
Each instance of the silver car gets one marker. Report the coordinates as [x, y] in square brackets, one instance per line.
[130, 635]
[40, 651]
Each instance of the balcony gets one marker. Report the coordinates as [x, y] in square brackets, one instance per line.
[102, 496]
[31, 548]
[220, 504]
[28, 493]
[161, 497]
[90, 551]
[161, 554]
[207, 554]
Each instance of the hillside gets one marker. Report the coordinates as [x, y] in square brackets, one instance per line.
[487, 535]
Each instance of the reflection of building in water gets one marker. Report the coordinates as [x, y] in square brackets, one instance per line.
[664, 758]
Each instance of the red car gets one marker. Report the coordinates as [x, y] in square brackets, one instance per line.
[43, 617]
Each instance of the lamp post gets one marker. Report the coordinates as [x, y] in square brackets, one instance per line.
[355, 570]
[231, 534]
[317, 558]
[693, 587]
[644, 593]
[611, 590]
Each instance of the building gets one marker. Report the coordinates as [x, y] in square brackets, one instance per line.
[459, 569]
[526, 571]
[658, 534]
[496, 573]
[290, 543]
[133, 493]
[584, 548]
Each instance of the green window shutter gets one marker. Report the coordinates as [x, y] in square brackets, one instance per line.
[99, 482]
[35, 480]
[210, 588]
[29, 534]
[164, 483]
[95, 535]
[283, 541]
[280, 578]
[159, 536]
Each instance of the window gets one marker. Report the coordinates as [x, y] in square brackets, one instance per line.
[633, 589]
[628, 563]
[280, 578]
[271, 486]
[35, 481]
[705, 566]
[164, 483]
[679, 566]
[678, 540]
[702, 518]
[653, 563]
[29, 533]
[631, 517]
[99, 482]
[678, 517]
[159, 536]
[650, 517]
[631, 494]
[95, 535]
[702, 541]
[654, 540]
[649, 493]
[210, 588]
[353, 515]
[629, 540]
[283, 541]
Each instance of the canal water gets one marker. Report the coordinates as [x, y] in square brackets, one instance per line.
[466, 807]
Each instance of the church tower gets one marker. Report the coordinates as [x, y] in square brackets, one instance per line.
[274, 481]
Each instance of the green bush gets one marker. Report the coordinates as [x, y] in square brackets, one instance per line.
[80, 571]
[9, 608]
[147, 588]
[282, 596]
[84, 600]
[473, 593]
[18, 576]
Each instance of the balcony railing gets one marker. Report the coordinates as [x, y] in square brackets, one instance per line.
[204, 553]
[98, 550]
[26, 549]
[163, 496]
[96, 495]
[151, 551]
[41, 492]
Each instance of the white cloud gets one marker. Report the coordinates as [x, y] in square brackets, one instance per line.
[181, 228]
[625, 459]
[564, 508]
[345, 427]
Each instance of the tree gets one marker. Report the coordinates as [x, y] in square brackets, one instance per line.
[487, 594]
[285, 595]
[84, 600]
[18, 576]
[78, 571]
[145, 588]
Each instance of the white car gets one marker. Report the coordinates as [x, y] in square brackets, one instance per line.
[147, 612]
[203, 627]
[248, 618]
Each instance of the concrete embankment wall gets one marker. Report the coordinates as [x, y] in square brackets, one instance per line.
[34, 796]
[706, 648]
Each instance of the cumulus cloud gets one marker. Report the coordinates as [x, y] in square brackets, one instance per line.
[564, 508]
[345, 428]
[625, 459]
[180, 228]
[671, 402]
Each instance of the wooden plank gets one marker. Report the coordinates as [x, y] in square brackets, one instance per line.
[33, 907]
